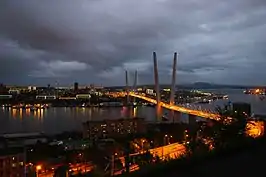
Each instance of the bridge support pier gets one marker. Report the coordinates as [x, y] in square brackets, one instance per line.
[192, 119]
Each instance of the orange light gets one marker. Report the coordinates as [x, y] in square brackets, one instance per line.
[38, 167]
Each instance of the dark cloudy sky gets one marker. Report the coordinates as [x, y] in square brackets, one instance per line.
[94, 41]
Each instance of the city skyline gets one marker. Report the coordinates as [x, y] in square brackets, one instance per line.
[96, 41]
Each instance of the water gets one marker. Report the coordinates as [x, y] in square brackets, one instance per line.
[257, 106]
[56, 120]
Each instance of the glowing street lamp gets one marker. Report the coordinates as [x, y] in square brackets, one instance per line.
[38, 167]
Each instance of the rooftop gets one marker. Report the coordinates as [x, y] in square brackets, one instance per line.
[22, 135]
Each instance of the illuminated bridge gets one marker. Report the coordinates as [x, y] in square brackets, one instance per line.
[178, 108]
[171, 105]
[255, 128]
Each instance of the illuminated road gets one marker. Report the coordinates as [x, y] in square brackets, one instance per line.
[75, 169]
[172, 151]
[168, 151]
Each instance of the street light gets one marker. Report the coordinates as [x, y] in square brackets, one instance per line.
[142, 145]
[38, 168]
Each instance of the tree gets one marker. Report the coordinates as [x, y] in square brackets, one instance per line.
[62, 171]
[195, 145]
[144, 159]
[230, 128]
[157, 159]
[97, 172]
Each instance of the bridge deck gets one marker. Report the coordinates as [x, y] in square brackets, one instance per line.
[178, 108]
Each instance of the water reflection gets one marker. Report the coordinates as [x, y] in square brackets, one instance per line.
[20, 113]
[83, 111]
[90, 112]
[28, 112]
[55, 120]
[135, 112]
[35, 114]
[14, 113]
[40, 114]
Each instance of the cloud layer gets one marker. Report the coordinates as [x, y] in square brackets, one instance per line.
[93, 41]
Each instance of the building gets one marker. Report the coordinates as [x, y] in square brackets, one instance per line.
[150, 91]
[83, 96]
[12, 162]
[241, 107]
[3, 89]
[20, 139]
[32, 88]
[76, 86]
[5, 97]
[45, 97]
[113, 128]
[14, 91]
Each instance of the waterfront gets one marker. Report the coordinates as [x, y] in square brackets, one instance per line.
[56, 120]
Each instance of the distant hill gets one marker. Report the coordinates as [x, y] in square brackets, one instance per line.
[205, 85]
[197, 85]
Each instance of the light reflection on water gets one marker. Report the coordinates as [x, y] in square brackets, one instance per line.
[56, 120]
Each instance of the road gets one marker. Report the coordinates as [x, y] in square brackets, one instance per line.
[75, 169]
[169, 151]
[172, 151]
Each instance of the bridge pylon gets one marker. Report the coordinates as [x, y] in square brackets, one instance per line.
[135, 84]
[157, 88]
[127, 89]
[173, 88]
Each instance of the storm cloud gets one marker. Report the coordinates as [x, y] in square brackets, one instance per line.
[95, 41]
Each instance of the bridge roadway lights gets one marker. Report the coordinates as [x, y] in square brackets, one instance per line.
[192, 119]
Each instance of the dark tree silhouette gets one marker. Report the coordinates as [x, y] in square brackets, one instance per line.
[230, 128]
[144, 159]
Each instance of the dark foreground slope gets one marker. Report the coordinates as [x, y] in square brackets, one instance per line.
[244, 161]
[245, 164]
